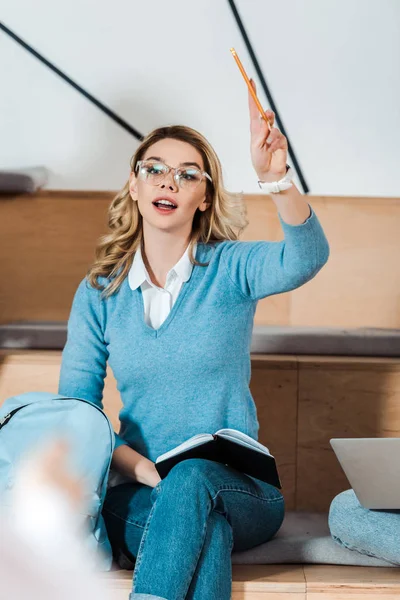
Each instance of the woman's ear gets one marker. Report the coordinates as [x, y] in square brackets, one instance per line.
[133, 186]
[205, 204]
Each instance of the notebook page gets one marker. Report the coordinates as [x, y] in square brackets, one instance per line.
[243, 439]
[192, 442]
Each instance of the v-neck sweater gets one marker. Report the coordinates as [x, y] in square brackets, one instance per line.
[192, 374]
[158, 301]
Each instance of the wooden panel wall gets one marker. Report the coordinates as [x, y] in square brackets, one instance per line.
[340, 397]
[274, 389]
[302, 402]
[47, 243]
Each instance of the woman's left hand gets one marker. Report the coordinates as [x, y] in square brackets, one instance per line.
[269, 150]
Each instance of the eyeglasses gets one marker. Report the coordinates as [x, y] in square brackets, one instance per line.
[154, 173]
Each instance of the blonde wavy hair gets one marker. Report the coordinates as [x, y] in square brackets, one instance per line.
[224, 219]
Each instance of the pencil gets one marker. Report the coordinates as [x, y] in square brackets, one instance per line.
[252, 92]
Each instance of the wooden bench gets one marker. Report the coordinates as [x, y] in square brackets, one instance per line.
[359, 286]
[302, 402]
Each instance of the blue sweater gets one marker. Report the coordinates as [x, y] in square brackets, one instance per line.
[192, 374]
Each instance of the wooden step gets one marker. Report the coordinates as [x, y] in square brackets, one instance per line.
[249, 582]
[293, 582]
[330, 582]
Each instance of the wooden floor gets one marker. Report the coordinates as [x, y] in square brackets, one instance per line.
[294, 582]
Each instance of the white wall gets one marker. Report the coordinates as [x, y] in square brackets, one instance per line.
[333, 67]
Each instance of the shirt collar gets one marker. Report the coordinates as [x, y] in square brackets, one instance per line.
[138, 272]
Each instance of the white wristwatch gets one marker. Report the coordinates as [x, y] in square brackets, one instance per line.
[277, 186]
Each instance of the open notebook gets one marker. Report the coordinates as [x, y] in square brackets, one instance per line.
[229, 447]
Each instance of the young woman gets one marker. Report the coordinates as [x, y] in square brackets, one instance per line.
[169, 303]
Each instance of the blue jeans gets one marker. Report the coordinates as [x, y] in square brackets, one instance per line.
[181, 532]
[372, 532]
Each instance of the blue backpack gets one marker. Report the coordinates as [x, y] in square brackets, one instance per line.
[28, 419]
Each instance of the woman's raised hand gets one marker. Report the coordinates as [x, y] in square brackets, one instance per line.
[269, 150]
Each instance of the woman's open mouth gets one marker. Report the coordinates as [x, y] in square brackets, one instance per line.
[164, 206]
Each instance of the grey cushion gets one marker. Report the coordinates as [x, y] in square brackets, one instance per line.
[305, 538]
[44, 335]
[363, 341]
[265, 340]
[23, 180]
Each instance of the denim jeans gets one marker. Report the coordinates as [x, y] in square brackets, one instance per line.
[181, 532]
[372, 532]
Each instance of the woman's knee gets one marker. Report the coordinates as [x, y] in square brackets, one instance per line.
[344, 514]
[370, 532]
[344, 503]
[187, 473]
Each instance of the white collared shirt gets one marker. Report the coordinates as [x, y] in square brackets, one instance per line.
[159, 301]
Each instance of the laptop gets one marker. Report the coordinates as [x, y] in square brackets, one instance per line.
[372, 466]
